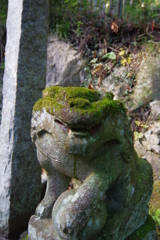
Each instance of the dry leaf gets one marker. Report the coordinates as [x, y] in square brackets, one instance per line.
[98, 68]
[100, 81]
[114, 27]
[90, 86]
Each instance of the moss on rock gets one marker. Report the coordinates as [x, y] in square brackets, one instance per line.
[78, 101]
[145, 231]
[154, 204]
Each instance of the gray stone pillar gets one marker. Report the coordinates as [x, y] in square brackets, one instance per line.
[24, 79]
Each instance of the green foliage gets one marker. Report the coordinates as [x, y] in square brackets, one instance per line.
[25, 238]
[3, 17]
[66, 15]
[110, 55]
[141, 12]
[3, 12]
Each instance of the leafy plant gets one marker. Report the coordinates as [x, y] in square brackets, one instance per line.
[138, 135]
[110, 55]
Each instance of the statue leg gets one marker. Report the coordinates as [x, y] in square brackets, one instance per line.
[124, 217]
[56, 184]
[92, 227]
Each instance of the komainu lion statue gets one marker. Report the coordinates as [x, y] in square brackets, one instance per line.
[80, 134]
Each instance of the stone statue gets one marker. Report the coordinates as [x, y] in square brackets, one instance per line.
[83, 135]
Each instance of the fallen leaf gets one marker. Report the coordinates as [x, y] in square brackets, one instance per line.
[100, 81]
[98, 68]
[114, 27]
[110, 55]
[90, 86]
[137, 123]
[121, 53]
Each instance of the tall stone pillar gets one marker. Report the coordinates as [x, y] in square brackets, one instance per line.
[24, 79]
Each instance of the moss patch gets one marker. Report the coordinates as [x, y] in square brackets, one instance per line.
[154, 204]
[25, 238]
[78, 99]
[148, 226]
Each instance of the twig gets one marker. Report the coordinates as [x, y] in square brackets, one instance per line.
[113, 49]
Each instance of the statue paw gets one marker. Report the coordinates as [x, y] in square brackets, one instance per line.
[44, 209]
[69, 224]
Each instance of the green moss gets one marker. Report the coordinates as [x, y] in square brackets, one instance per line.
[48, 103]
[25, 238]
[50, 91]
[79, 103]
[147, 227]
[109, 95]
[81, 100]
[144, 176]
[154, 204]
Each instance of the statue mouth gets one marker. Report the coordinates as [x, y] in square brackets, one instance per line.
[78, 131]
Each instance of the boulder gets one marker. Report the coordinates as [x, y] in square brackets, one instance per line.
[115, 82]
[65, 66]
[147, 88]
[155, 110]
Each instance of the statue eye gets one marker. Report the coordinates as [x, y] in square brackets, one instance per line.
[95, 128]
[63, 126]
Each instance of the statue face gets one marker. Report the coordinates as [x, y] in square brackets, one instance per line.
[79, 119]
[78, 141]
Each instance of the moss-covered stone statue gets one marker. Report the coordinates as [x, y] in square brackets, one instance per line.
[83, 135]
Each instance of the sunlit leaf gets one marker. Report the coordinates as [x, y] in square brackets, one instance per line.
[123, 61]
[94, 60]
[121, 53]
[110, 55]
[138, 135]
[137, 123]
[144, 126]
[128, 60]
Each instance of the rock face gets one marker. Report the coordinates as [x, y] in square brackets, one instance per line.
[81, 134]
[0, 100]
[148, 82]
[115, 82]
[24, 79]
[64, 66]
[149, 149]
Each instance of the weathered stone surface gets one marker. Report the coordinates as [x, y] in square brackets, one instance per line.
[116, 82]
[155, 110]
[24, 78]
[64, 66]
[146, 232]
[148, 82]
[0, 100]
[149, 149]
[112, 201]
